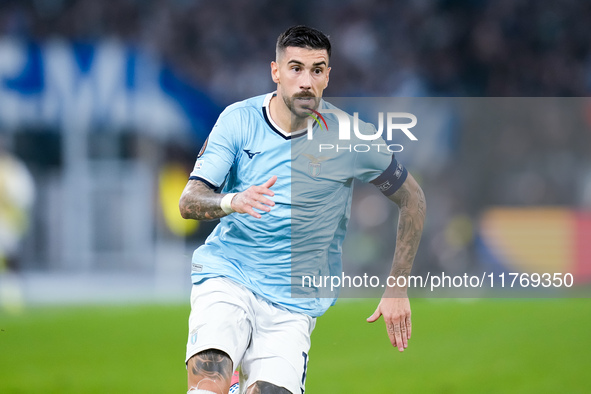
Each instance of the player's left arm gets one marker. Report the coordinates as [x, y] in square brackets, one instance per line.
[394, 305]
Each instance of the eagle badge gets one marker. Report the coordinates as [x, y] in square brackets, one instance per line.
[314, 166]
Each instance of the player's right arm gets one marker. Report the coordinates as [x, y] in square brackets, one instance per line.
[200, 202]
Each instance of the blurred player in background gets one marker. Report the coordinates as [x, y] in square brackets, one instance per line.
[17, 194]
[242, 310]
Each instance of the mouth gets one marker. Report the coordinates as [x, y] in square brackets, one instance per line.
[305, 101]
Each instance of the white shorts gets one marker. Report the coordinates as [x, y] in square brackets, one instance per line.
[267, 341]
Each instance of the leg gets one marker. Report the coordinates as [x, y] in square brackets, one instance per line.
[277, 359]
[261, 387]
[210, 370]
[219, 333]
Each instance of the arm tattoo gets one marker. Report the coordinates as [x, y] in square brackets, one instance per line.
[411, 200]
[211, 364]
[199, 202]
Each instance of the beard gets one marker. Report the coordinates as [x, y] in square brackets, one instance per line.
[301, 104]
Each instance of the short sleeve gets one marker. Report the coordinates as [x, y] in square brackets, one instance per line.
[379, 166]
[373, 160]
[219, 151]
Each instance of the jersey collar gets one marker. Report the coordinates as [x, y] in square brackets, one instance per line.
[267, 115]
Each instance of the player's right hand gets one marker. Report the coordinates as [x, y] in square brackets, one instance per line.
[254, 197]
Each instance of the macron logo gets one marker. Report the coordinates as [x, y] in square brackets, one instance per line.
[250, 154]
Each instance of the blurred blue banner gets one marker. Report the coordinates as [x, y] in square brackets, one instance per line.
[104, 85]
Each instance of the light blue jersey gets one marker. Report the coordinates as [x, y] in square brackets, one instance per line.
[303, 233]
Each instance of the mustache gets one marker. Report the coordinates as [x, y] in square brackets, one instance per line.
[303, 94]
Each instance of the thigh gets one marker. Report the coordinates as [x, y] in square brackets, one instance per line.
[218, 319]
[278, 353]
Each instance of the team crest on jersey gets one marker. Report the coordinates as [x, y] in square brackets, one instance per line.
[193, 337]
[315, 165]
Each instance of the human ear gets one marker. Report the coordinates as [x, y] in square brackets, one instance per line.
[275, 72]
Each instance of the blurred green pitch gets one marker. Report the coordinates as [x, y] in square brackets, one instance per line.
[458, 346]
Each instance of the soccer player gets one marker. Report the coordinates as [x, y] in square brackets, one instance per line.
[258, 173]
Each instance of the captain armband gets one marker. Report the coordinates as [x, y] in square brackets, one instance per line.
[392, 178]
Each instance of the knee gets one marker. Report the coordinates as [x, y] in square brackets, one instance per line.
[210, 370]
[261, 387]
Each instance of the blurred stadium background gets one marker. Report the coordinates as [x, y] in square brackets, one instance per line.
[105, 104]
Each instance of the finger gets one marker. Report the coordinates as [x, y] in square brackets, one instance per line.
[252, 212]
[403, 333]
[408, 327]
[260, 190]
[398, 336]
[375, 316]
[249, 199]
[391, 334]
[268, 202]
[264, 200]
[260, 206]
[260, 202]
[270, 182]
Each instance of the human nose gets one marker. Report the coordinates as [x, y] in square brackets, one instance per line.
[305, 81]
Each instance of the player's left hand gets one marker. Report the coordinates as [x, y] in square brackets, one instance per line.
[396, 312]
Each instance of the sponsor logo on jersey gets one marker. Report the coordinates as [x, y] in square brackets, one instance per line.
[250, 154]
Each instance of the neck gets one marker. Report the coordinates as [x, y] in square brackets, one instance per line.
[283, 117]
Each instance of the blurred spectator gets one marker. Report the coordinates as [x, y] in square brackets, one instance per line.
[537, 155]
[439, 47]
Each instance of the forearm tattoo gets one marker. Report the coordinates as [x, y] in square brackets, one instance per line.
[211, 364]
[199, 202]
[411, 200]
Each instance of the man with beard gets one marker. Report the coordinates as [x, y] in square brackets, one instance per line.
[243, 311]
